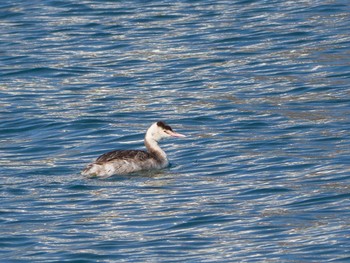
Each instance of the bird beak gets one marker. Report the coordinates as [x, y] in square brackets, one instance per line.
[175, 134]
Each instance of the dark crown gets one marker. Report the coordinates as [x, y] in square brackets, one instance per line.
[164, 125]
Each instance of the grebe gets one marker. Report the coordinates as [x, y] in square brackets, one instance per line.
[129, 161]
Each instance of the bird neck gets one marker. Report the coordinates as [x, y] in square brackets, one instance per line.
[154, 149]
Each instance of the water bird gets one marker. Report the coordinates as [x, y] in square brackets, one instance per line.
[129, 161]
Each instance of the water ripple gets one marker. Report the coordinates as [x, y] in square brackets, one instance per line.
[259, 88]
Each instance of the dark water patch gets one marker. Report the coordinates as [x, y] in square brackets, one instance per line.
[81, 187]
[199, 221]
[319, 200]
[265, 191]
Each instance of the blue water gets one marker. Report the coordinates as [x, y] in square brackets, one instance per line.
[260, 88]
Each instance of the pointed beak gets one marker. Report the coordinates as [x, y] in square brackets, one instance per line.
[175, 134]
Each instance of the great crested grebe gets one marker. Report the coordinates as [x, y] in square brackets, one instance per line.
[129, 161]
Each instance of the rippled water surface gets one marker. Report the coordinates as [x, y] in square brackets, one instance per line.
[261, 89]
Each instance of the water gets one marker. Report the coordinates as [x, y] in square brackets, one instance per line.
[261, 88]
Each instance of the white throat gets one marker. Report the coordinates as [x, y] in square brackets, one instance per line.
[153, 148]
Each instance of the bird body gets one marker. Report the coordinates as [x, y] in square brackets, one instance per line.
[129, 161]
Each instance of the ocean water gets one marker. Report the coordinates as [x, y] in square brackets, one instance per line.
[260, 88]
